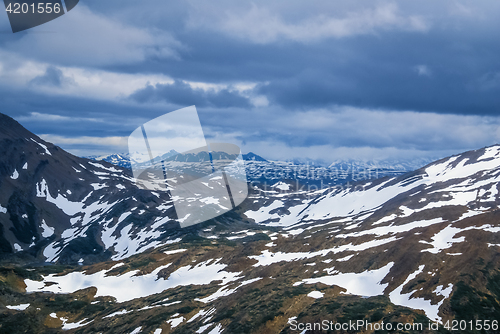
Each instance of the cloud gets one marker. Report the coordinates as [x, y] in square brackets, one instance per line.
[80, 125]
[53, 77]
[39, 117]
[85, 140]
[423, 70]
[75, 116]
[83, 37]
[183, 94]
[381, 64]
[389, 84]
[353, 127]
[88, 145]
[299, 78]
[260, 25]
[488, 82]
[49, 79]
[328, 153]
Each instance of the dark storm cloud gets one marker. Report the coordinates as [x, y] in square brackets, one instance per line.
[75, 116]
[375, 69]
[398, 72]
[53, 77]
[379, 64]
[453, 68]
[183, 94]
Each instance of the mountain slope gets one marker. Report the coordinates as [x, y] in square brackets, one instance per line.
[409, 249]
[428, 231]
[59, 207]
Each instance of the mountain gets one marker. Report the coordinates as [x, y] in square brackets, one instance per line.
[299, 172]
[400, 250]
[250, 156]
[429, 236]
[121, 159]
[402, 165]
[56, 207]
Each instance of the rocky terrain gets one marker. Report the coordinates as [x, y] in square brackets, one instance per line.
[86, 251]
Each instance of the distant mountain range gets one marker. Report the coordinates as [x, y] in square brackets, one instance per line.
[123, 159]
[303, 171]
[83, 249]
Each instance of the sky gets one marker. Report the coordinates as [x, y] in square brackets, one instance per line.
[321, 79]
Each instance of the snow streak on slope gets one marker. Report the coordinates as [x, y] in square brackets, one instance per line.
[425, 209]
[366, 283]
[397, 297]
[368, 197]
[266, 257]
[124, 239]
[130, 285]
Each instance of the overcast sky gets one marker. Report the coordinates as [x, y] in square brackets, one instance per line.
[318, 79]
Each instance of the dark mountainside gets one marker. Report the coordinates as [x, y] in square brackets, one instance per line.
[406, 249]
[59, 207]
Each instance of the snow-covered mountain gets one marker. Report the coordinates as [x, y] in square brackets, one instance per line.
[58, 207]
[402, 165]
[422, 232]
[406, 249]
[118, 159]
[301, 172]
[123, 159]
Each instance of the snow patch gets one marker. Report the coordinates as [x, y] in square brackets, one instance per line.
[282, 186]
[393, 229]
[216, 330]
[111, 169]
[20, 307]
[443, 239]
[72, 325]
[489, 153]
[174, 322]
[128, 286]
[68, 207]
[137, 330]
[366, 283]
[385, 219]
[47, 231]
[222, 292]
[43, 146]
[175, 251]
[315, 294]
[117, 313]
[98, 186]
[346, 258]
[397, 297]
[267, 258]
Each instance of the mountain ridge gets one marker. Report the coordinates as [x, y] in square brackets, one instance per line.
[418, 247]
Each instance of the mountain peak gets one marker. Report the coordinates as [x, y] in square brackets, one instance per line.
[11, 129]
[250, 156]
